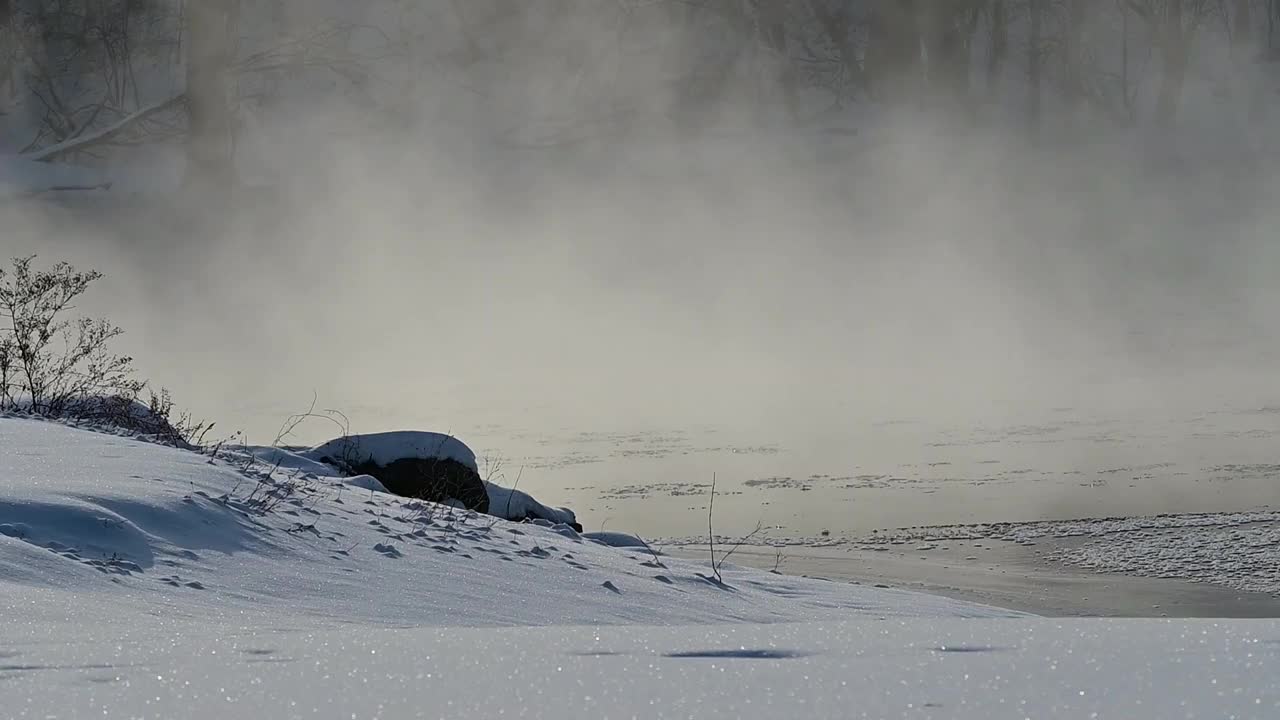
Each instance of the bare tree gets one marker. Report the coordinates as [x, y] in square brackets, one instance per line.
[1273, 28]
[75, 61]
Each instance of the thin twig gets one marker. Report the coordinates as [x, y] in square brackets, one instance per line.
[711, 538]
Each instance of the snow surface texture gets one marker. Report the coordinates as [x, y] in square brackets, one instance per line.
[919, 668]
[1236, 550]
[1240, 557]
[385, 448]
[513, 504]
[143, 581]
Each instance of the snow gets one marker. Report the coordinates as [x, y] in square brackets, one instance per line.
[76, 499]
[385, 448]
[617, 539]
[138, 580]
[944, 668]
[513, 504]
[366, 482]
[1243, 558]
[1237, 550]
[506, 503]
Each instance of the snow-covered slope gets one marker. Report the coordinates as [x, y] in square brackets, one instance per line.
[164, 529]
[143, 581]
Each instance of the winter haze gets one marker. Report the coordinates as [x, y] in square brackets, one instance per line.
[523, 226]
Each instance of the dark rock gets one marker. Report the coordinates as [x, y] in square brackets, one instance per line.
[431, 479]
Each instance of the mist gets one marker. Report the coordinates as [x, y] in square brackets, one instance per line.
[775, 281]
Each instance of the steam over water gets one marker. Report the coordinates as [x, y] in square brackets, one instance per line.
[621, 247]
[948, 334]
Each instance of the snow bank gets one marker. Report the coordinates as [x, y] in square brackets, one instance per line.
[511, 504]
[385, 448]
[285, 459]
[617, 540]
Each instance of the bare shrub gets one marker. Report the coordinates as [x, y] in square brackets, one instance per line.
[54, 366]
[716, 565]
[48, 363]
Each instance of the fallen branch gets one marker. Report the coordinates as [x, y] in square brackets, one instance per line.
[98, 137]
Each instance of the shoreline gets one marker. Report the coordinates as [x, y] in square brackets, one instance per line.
[1008, 575]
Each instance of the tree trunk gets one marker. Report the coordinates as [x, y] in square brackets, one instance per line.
[1242, 27]
[1171, 82]
[1272, 23]
[893, 50]
[1174, 50]
[1036, 10]
[773, 31]
[1126, 95]
[999, 44]
[210, 38]
[6, 72]
[944, 29]
[1073, 55]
